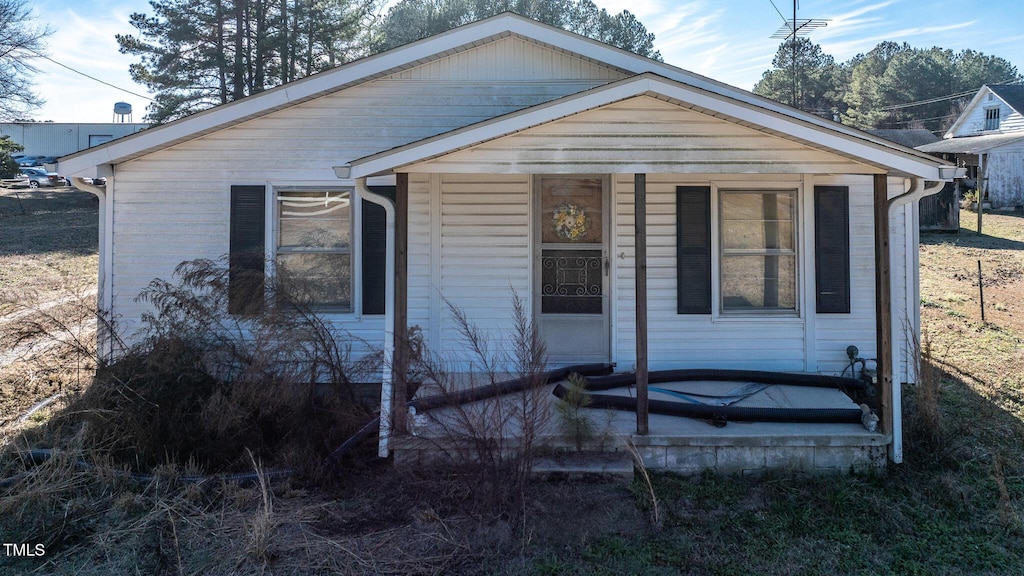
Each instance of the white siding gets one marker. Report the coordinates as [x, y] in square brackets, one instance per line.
[482, 247]
[682, 340]
[834, 332]
[642, 134]
[973, 122]
[1006, 176]
[420, 253]
[512, 57]
[470, 256]
[172, 205]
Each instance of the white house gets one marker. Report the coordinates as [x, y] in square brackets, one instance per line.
[988, 138]
[516, 154]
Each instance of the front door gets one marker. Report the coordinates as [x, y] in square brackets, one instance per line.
[571, 268]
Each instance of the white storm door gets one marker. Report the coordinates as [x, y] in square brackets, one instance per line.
[571, 274]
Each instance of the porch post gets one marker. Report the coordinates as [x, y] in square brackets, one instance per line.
[640, 221]
[401, 358]
[883, 301]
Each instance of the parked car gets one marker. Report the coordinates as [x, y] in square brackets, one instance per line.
[37, 177]
[29, 160]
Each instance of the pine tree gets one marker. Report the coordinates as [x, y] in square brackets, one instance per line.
[195, 55]
[411, 20]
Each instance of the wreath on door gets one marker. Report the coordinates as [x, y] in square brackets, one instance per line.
[570, 222]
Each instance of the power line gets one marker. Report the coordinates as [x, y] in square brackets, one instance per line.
[45, 57]
[929, 101]
[941, 98]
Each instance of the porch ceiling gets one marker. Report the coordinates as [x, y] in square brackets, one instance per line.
[649, 124]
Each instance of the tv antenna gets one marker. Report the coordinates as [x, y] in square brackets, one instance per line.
[792, 29]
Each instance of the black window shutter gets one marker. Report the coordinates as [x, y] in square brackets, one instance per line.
[832, 249]
[246, 274]
[693, 249]
[374, 252]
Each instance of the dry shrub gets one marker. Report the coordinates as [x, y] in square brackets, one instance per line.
[202, 386]
[493, 440]
[924, 417]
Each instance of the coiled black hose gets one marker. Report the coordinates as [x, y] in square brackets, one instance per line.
[721, 375]
[719, 415]
[472, 395]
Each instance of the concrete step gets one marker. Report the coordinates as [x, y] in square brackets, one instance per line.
[583, 465]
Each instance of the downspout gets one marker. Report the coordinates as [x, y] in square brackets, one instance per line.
[916, 191]
[104, 340]
[386, 381]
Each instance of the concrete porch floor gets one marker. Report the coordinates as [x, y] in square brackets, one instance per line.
[677, 444]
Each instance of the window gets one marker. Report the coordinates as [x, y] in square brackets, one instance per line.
[314, 246]
[992, 118]
[758, 251]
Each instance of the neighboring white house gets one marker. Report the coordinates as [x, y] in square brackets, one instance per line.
[61, 138]
[988, 139]
[514, 149]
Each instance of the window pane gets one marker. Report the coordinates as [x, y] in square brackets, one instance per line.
[759, 282]
[762, 235]
[315, 219]
[314, 253]
[757, 221]
[571, 210]
[323, 279]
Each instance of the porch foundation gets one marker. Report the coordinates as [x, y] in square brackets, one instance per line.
[684, 446]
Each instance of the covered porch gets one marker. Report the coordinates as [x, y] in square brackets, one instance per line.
[726, 439]
[469, 224]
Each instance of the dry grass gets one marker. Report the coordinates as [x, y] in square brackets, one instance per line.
[50, 249]
[988, 356]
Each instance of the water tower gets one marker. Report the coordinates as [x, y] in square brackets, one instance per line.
[122, 110]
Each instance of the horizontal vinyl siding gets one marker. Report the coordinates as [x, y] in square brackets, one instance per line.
[419, 252]
[641, 134]
[974, 123]
[684, 340]
[837, 331]
[834, 332]
[902, 331]
[512, 56]
[172, 205]
[485, 255]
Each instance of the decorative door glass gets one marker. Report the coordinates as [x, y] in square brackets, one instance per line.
[572, 236]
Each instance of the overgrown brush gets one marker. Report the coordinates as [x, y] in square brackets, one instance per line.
[492, 442]
[924, 418]
[202, 386]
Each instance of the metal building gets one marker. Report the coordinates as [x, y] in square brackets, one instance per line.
[60, 139]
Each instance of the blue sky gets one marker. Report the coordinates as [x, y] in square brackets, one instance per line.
[728, 40]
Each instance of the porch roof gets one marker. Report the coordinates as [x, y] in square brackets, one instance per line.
[971, 144]
[832, 149]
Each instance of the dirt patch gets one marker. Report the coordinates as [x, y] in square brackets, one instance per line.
[950, 280]
[989, 354]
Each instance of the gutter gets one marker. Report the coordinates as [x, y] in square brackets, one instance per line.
[919, 188]
[387, 382]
